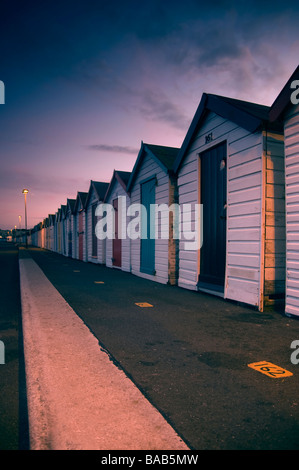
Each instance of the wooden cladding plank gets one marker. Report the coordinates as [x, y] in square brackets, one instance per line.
[241, 272]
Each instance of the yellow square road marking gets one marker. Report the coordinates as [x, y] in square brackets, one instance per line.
[143, 304]
[270, 369]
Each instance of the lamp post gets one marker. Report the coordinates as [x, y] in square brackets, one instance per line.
[25, 192]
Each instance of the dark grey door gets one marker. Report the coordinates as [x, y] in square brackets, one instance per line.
[213, 198]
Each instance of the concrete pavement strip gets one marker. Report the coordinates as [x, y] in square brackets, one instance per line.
[78, 399]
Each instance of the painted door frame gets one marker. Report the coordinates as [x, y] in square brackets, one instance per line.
[116, 242]
[147, 244]
[202, 284]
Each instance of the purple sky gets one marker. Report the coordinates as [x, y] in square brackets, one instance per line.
[87, 81]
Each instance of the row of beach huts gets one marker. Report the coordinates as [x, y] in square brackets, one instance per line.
[240, 161]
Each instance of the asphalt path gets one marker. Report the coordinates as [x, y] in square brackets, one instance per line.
[77, 398]
[13, 406]
[189, 353]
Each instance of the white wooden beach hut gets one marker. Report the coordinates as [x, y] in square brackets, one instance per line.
[95, 248]
[154, 250]
[79, 226]
[46, 233]
[62, 230]
[69, 226]
[51, 229]
[55, 245]
[118, 247]
[57, 234]
[286, 109]
[231, 162]
[34, 235]
[40, 235]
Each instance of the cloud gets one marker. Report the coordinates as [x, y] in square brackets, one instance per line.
[112, 148]
[156, 106]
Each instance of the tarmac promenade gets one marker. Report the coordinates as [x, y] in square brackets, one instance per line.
[105, 372]
[78, 399]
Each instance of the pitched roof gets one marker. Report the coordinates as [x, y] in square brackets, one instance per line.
[164, 156]
[70, 204]
[63, 211]
[51, 219]
[81, 197]
[122, 177]
[100, 189]
[259, 111]
[250, 116]
[283, 100]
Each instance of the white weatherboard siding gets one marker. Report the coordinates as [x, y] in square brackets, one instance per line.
[246, 191]
[84, 237]
[69, 235]
[101, 254]
[148, 169]
[75, 236]
[292, 210]
[64, 234]
[52, 237]
[116, 191]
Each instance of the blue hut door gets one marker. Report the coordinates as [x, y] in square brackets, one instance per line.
[147, 243]
[213, 198]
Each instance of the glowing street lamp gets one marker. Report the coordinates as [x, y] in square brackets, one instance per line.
[25, 192]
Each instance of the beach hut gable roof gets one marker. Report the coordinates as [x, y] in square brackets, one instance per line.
[283, 100]
[58, 215]
[164, 156]
[122, 177]
[52, 219]
[100, 189]
[63, 211]
[249, 116]
[81, 198]
[70, 205]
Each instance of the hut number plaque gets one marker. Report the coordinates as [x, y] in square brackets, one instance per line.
[209, 137]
